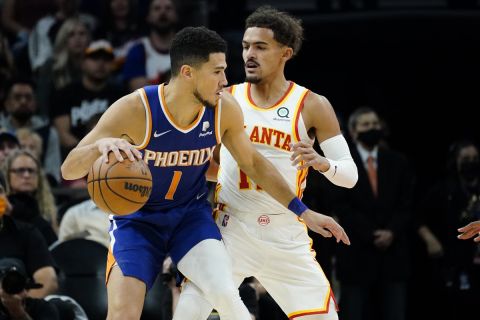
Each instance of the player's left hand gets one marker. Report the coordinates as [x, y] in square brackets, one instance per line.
[303, 151]
[324, 225]
[469, 231]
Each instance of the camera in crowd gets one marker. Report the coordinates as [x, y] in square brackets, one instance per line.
[13, 277]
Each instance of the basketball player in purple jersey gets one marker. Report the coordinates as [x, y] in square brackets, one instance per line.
[174, 128]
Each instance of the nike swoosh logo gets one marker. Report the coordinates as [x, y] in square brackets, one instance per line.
[200, 195]
[156, 135]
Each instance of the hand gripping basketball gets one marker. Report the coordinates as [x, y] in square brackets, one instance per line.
[119, 187]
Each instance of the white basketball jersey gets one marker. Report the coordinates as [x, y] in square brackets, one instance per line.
[271, 130]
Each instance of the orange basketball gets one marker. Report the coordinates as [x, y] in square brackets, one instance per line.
[118, 187]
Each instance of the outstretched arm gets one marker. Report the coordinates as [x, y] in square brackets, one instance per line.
[470, 230]
[122, 125]
[265, 174]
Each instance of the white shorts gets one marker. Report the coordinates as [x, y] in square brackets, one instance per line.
[276, 250]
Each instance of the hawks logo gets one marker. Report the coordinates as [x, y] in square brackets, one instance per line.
[263, 220]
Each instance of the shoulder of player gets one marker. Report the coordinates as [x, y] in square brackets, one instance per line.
[131, 102]
[127, 117]
[229, 103]
[231, 112]
[315, 102]
[228, 89]
[126, 111]
[316, 110]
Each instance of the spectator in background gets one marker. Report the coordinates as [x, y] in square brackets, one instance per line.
[193, 12]
[18, 305]
[373, 271]
[79, 102]
[148, 62]
[24, 174]
[85, 220]
[23, 241]
[8, 143]
[452, 275]
[19, 17]
[64, 67]
[30, 141]
[43, 35]
[25, 209]
[120, 29]
[7, 64]
[20, 108]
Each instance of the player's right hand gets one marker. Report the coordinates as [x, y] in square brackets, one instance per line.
[324, 225]
[116, 145]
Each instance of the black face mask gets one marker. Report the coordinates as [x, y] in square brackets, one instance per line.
[370, 137]
[469, 170]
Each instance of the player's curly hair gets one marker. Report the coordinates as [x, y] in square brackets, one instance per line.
[193, 46]
[287, 30]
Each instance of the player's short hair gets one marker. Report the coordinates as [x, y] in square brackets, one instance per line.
[193, 46]
[287, 30]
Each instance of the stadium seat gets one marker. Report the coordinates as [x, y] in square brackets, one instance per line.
[81, 265]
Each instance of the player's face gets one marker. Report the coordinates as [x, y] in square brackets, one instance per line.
[210, 79]
[262, 54]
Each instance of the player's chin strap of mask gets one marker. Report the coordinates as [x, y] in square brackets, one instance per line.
[343, 171]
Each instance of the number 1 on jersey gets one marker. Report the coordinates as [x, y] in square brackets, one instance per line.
[173, 185]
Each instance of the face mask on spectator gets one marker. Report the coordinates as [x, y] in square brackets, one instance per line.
[370, 137]
[469, 170]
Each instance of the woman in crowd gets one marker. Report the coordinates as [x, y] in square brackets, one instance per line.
[26, 184]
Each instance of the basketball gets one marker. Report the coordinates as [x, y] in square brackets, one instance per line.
[119, 188]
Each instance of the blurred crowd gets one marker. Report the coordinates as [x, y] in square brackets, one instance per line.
[64, 62]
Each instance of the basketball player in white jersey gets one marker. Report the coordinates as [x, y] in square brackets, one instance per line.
[282, 119]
